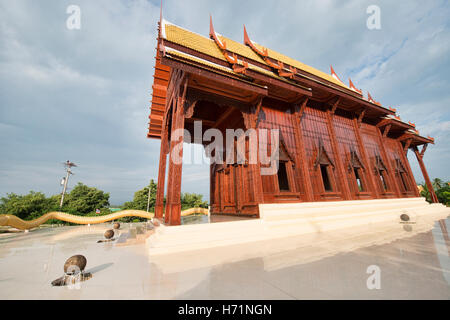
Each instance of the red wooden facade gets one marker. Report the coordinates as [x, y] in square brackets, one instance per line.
[334, 143]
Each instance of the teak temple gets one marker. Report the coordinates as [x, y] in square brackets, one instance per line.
[334, 143]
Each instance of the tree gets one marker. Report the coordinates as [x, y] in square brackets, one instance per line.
[29, 206]
[188, 200]
[442, 190]
[437, 183]
[443, 194]
[83, 200]
[141, 197]
[192, 200]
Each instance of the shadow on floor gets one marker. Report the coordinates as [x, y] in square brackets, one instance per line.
[100, 267]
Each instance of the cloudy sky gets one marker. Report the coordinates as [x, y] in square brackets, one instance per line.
[84, 94]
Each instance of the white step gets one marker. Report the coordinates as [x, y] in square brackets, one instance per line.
[285, 220]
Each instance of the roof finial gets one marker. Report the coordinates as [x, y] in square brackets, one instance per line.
[334, 75]
[160, 19]
[213, 35]
[352, 86]
[264, 53]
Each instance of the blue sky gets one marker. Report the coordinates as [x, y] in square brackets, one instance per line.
[84, 94]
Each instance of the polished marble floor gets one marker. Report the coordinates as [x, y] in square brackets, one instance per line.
[411, 263]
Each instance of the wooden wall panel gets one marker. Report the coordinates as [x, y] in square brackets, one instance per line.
[314, 128]
[271, 118]
[347, 141]
[395, 151]
[369, 135]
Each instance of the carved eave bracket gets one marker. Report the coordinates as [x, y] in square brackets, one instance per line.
[189, 107]
[424, 148]
[334, 103]
[360, 115]
[407, 145]
[299, 109]
[386, 130]
[251, 117]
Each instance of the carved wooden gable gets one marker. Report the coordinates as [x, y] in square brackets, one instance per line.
[322, 156]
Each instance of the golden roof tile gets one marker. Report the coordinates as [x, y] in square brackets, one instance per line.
[207, 46]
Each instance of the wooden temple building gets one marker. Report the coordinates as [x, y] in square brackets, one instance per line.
[335, 144]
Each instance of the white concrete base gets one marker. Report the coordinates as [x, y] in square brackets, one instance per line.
[293, 219]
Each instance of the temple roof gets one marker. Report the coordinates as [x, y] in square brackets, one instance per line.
[259, 67]
[208, 46]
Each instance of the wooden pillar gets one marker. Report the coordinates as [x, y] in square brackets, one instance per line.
[170, 174]
[251, 122]
[369, 172]
[343, 181]
[391, 175]
[256, 175]
[159, 205]
[302, 161]
[173, 205]
[419, 157]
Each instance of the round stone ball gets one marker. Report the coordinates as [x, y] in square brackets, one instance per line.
[75, 264]
[155, 223]
[109, 234]
[404, 217]
[116, 225]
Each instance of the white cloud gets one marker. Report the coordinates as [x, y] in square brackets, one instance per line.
[85, 94]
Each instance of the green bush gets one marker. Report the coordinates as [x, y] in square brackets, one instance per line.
[29, 206]
[84, 201]
[442, 190]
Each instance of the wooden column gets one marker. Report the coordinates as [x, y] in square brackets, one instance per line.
[170, 174]
[159, 205]
[302, 161]
[419, 157]
[369, 172]
[391, 173]
[251, 121]
[173, 203]
[340, 167]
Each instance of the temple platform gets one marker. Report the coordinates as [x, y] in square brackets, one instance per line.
[281, 221]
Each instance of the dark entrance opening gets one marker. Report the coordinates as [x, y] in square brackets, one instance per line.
[325, 177]
[358, 179]
[283, 182]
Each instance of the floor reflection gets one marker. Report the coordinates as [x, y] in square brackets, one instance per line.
[414, 264]
[415, 267]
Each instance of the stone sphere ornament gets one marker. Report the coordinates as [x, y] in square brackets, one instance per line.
[155, 223]
[116, 225]
[109, 234]
[404, 217]
[75, 263]
[73, 272]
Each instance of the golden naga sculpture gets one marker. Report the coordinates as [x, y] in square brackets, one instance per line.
[15, 222]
